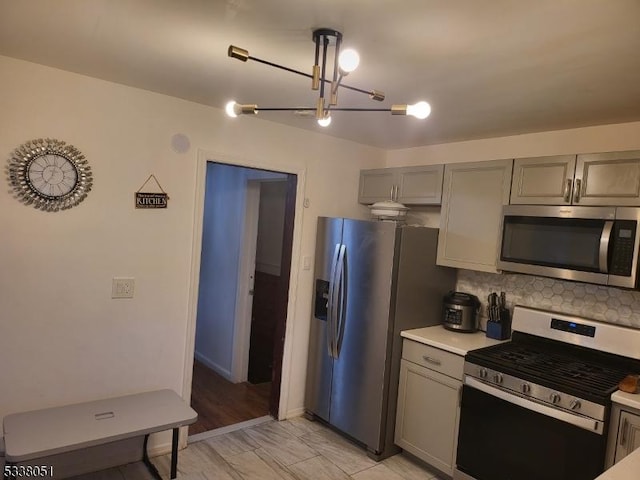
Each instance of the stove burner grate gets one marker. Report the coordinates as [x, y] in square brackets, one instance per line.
[566, 368]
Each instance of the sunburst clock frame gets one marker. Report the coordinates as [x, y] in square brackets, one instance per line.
[49, 174]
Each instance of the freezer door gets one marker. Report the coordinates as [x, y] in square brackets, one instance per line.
[358, 389]
[319, 371]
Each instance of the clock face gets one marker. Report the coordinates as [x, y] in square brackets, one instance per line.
[52, 175]
[49, 174]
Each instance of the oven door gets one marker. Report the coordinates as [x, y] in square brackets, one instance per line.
[501, 440]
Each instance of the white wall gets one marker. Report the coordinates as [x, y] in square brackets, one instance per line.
[62, 338]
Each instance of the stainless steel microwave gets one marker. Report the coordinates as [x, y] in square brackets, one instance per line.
[584, 244]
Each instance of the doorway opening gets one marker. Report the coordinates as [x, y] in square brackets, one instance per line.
[245, 265]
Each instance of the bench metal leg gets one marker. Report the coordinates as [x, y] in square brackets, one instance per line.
[174, 453]
[174, 456]
[145, 458]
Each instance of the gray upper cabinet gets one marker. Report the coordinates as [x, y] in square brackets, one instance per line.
[420, 185]
[598, 179]
[543, 181]
[472, 198]
[608, 179]
[377, 185]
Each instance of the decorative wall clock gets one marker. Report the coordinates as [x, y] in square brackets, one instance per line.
[49, 174]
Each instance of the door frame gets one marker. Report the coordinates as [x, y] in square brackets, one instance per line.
[219, 157]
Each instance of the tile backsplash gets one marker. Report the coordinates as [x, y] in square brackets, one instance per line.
[606, 304]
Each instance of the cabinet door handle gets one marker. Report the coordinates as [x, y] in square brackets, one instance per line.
[567, 190]
[625, 428]
[432, 360]
[577, 190]
[393, 187]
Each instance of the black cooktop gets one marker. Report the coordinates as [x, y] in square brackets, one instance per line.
[575, 370]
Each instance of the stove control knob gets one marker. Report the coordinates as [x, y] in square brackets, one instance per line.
[483, 373]
[497, 378]
[555, 398]
[526, 388]
[575, 404]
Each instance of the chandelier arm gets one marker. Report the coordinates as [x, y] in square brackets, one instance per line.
[281, 67]
[313, 109]
[315, 78]
[303, 74]
[323, 72]
[335, 82]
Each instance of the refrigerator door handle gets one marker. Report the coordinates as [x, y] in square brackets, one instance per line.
[331, 303]
[342, 300]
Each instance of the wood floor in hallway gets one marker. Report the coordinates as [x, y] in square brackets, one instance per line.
[220, 403]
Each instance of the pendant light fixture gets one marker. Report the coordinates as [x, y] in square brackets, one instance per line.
[327, 83]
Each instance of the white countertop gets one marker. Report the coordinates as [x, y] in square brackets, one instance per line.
[625, 469]
[455, 342]
[627, 399]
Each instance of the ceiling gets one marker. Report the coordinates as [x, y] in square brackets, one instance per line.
[487, 67]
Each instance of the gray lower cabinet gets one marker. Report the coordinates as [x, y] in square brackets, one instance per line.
[624, 433]
[472, 198]
[595, 179]
[429, 404]
[420, 185]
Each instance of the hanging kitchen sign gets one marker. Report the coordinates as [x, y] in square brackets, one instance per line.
[150, 199]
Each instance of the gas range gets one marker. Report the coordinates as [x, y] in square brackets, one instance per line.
[559, 360]
[544, 398]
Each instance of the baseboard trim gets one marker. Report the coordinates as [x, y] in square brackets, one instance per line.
[214, 366]
[296, 412]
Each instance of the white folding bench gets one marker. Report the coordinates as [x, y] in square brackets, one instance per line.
[41, 433]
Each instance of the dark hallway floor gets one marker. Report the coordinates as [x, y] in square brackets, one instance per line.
[220, 403]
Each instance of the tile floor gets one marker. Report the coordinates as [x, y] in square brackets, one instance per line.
[295, 449]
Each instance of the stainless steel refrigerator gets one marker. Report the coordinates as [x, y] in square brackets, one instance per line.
[373, 279]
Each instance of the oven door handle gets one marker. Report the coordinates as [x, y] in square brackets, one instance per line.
[583, 422]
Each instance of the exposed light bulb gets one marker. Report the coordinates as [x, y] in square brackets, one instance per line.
[420, 110]
[230, 108]
[325, 122]
[348, 60]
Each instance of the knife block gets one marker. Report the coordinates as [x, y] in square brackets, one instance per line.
[500, 330]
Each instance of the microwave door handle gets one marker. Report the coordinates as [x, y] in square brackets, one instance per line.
[605, 241]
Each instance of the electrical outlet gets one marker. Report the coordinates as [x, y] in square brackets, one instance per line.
[122, 287]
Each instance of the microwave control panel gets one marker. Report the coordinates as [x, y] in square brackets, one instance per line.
[623, 236]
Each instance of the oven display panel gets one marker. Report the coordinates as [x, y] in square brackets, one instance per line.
[573, 327]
